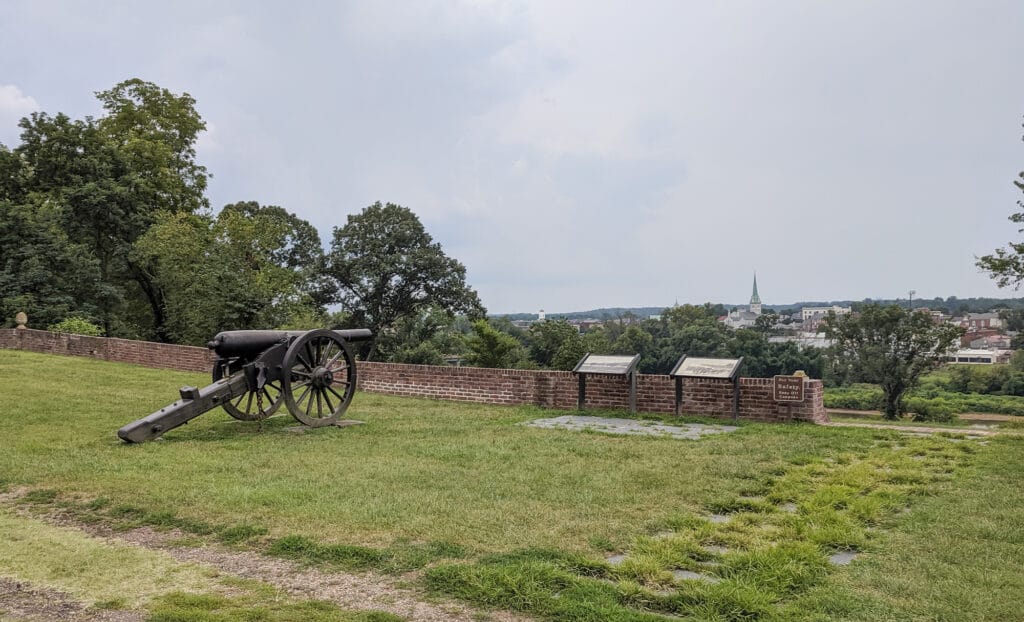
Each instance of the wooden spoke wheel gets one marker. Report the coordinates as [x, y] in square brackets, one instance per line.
[247, 406]
[319, 378]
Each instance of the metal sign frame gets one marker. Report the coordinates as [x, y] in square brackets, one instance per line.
[630, 371]
[733, 377]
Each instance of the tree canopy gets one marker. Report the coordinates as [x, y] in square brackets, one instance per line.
[383, 266]
[890, 346]
[1006, 265]
[103, 182]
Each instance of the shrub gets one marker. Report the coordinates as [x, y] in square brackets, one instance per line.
[76, 326]
[855, 398]
[937, 409]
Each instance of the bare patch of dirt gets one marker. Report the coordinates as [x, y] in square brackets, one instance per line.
[20, 601]
[366, 591]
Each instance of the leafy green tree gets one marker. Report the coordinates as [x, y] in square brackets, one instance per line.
[550, 338]
[596, 341]
[422, 339]
[568, 354]
[76, 326]
[383, 266]
[766, 322]
[245, 269]
[1006, 265]
[890, 346]
[156, 132]
[692, 330]
[107, 179]
[489, 347]
[41, 271]
[636, 340]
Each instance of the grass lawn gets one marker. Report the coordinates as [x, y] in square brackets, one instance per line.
[507, 516]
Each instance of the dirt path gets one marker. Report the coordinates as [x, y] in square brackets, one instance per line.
[364, 591]
[21, 601]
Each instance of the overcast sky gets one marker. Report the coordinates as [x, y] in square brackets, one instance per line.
[585, 154]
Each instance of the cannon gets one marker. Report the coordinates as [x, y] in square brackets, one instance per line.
[255, 371]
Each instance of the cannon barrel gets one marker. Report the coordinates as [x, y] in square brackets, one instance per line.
[249, 343]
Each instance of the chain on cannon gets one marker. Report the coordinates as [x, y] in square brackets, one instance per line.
[312, 372]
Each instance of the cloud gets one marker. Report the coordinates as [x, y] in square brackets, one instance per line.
[14, 104]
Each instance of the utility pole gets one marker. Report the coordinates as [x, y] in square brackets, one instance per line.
[912, 292]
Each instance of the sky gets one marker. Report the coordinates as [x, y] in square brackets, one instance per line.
[575, 155]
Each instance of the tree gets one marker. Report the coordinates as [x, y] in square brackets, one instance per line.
[247, 268]
[383, 266]
[766, 322]
[553, 343]
[156, 131]
[41, 271]
[107, 180]
[421, 339]
[890, 346]
[1006, 266]
[489, 347]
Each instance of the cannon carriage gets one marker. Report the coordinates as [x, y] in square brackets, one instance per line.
[313, 373]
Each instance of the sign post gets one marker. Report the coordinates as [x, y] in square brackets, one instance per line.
[609, 366]
[720, 369]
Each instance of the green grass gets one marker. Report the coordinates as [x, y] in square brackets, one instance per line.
[186, 607]
[513, 517]
[419, 471]
[91, 570]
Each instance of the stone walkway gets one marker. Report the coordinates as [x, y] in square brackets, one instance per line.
[688, 431]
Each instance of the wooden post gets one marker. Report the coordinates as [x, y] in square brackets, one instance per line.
[736, 398]
[581, 400]
[679, 394]
[632, 392]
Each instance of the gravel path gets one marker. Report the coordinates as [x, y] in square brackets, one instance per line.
[363, 591]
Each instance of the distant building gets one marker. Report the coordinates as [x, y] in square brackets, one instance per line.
[980, 357]
[978, 321]
[755, 300]
[971, 336]
[808, 313]
[991, 342]
[739, 318]
[804, 340]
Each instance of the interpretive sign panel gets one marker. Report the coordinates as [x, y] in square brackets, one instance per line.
[606, 364]
[692, 367]
[789, 388]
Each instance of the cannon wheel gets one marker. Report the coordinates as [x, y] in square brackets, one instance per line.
[319, 378]
[247, 406]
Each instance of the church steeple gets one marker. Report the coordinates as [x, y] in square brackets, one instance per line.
[755, 300]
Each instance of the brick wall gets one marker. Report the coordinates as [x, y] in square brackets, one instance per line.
[560, 389]
[145, 353]
[549, 389]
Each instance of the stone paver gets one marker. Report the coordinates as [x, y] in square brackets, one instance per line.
[842, 558]
[610, 425]
[680, 575]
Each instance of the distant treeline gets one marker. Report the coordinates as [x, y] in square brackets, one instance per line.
[951, 306]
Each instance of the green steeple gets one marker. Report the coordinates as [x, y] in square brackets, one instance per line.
[754, 298]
